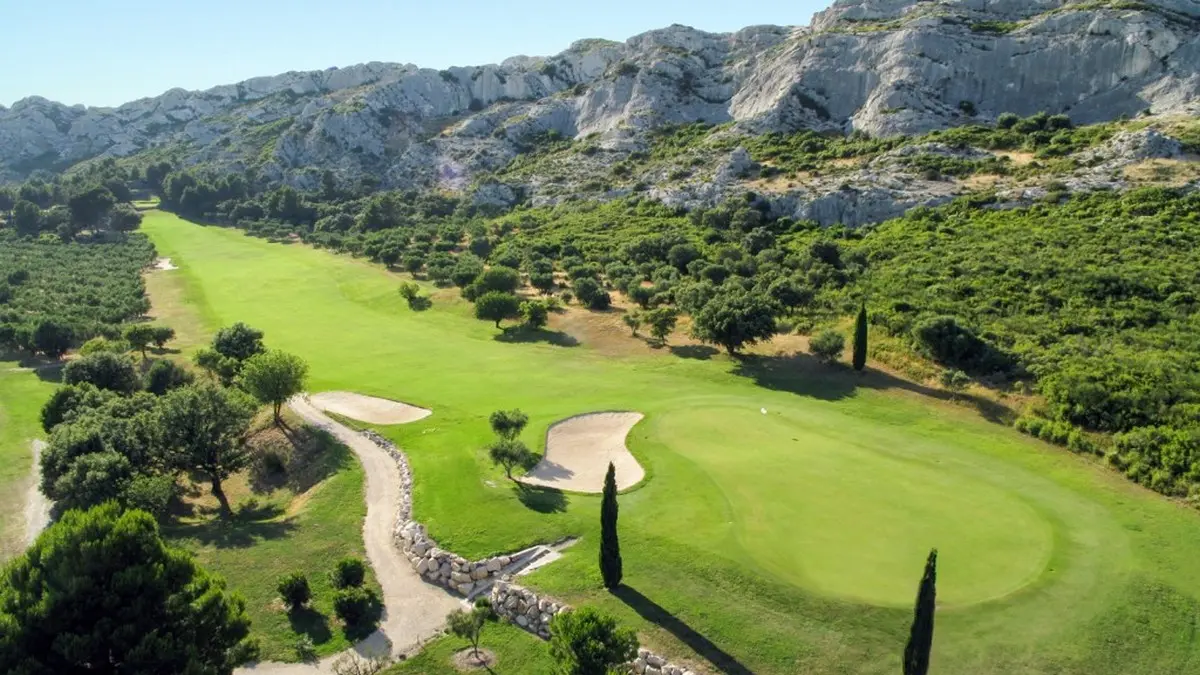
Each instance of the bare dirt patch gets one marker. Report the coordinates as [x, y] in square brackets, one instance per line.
[1017, 158]
[468, 659]
[579, 449]
[368, 409]
[37, 507]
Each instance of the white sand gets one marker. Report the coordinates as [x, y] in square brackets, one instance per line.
[37, 507]
[164, 264]
[368, 408]
[578, 450]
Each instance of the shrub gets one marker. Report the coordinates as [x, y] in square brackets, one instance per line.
[349, 572]
[294, 590]
[1007, 120]
[409, 290]
[103, 344]
[306, 651]
[943, 339]
[586, 642]
[535, 313]
[600, 301]
[827, 345]
[355, 605]
[586, 288]
[164, 375]
[104, 370]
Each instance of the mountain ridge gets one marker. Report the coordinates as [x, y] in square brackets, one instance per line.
[881, 67]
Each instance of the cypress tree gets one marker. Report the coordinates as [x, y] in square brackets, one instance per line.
[610, 546]
[860, 338]
[920, 638]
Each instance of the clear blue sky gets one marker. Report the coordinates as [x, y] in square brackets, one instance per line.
[107, 52]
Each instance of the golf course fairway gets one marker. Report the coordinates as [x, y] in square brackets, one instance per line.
[779, 542]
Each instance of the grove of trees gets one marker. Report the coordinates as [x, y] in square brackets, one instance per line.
[99, 591]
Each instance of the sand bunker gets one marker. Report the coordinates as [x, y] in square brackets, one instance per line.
[368, 408]
[578, 450]
[164, 264]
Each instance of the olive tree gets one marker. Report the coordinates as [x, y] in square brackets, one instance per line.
[204, 428]
[139, 336]
[273, 377]
[497, 306]
[734, 318]
[508, 424]
[511, 454]
[469, 625]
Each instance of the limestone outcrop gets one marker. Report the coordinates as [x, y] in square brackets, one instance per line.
[883, 67]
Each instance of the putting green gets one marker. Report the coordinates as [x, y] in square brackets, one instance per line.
[790, 542]
[819, 508]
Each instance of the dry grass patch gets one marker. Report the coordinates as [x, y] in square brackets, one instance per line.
[1169, 172]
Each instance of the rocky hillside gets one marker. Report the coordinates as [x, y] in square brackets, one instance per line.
[883, 67]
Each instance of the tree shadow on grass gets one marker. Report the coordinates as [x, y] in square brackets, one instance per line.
[521, 334]
[307, 621]
[250, 525]
[541, 499]
[698, 352]
[652, 612]
[296, 458]
[47, 369]
[805, 375]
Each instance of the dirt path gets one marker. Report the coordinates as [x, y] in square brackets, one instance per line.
[37, 507]
[414, 611]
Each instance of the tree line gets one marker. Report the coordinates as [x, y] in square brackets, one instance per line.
[1091, 299]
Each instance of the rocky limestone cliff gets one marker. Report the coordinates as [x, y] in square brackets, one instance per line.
[881, 66]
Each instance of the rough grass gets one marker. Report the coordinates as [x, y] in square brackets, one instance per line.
[22, 393]
[774, 544]
[516, 652]
[303, 522]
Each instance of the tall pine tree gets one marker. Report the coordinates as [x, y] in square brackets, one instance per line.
[920, 638]
[860, 338]
[610, 546]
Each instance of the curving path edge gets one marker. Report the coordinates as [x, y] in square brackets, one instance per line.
[414, 611]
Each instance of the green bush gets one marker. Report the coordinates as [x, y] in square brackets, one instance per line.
[348, 573]
[294, 590]
[827, 345]
[356, 606]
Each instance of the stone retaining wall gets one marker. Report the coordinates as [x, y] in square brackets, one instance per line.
[525, 608]
[513, 603]
[444, 568]
[434, 564]
[533, 612]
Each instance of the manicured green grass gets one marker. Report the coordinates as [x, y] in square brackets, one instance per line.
[270, 538]
[22, 394]
[784, 543]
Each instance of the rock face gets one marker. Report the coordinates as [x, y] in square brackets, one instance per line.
[880, 66]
